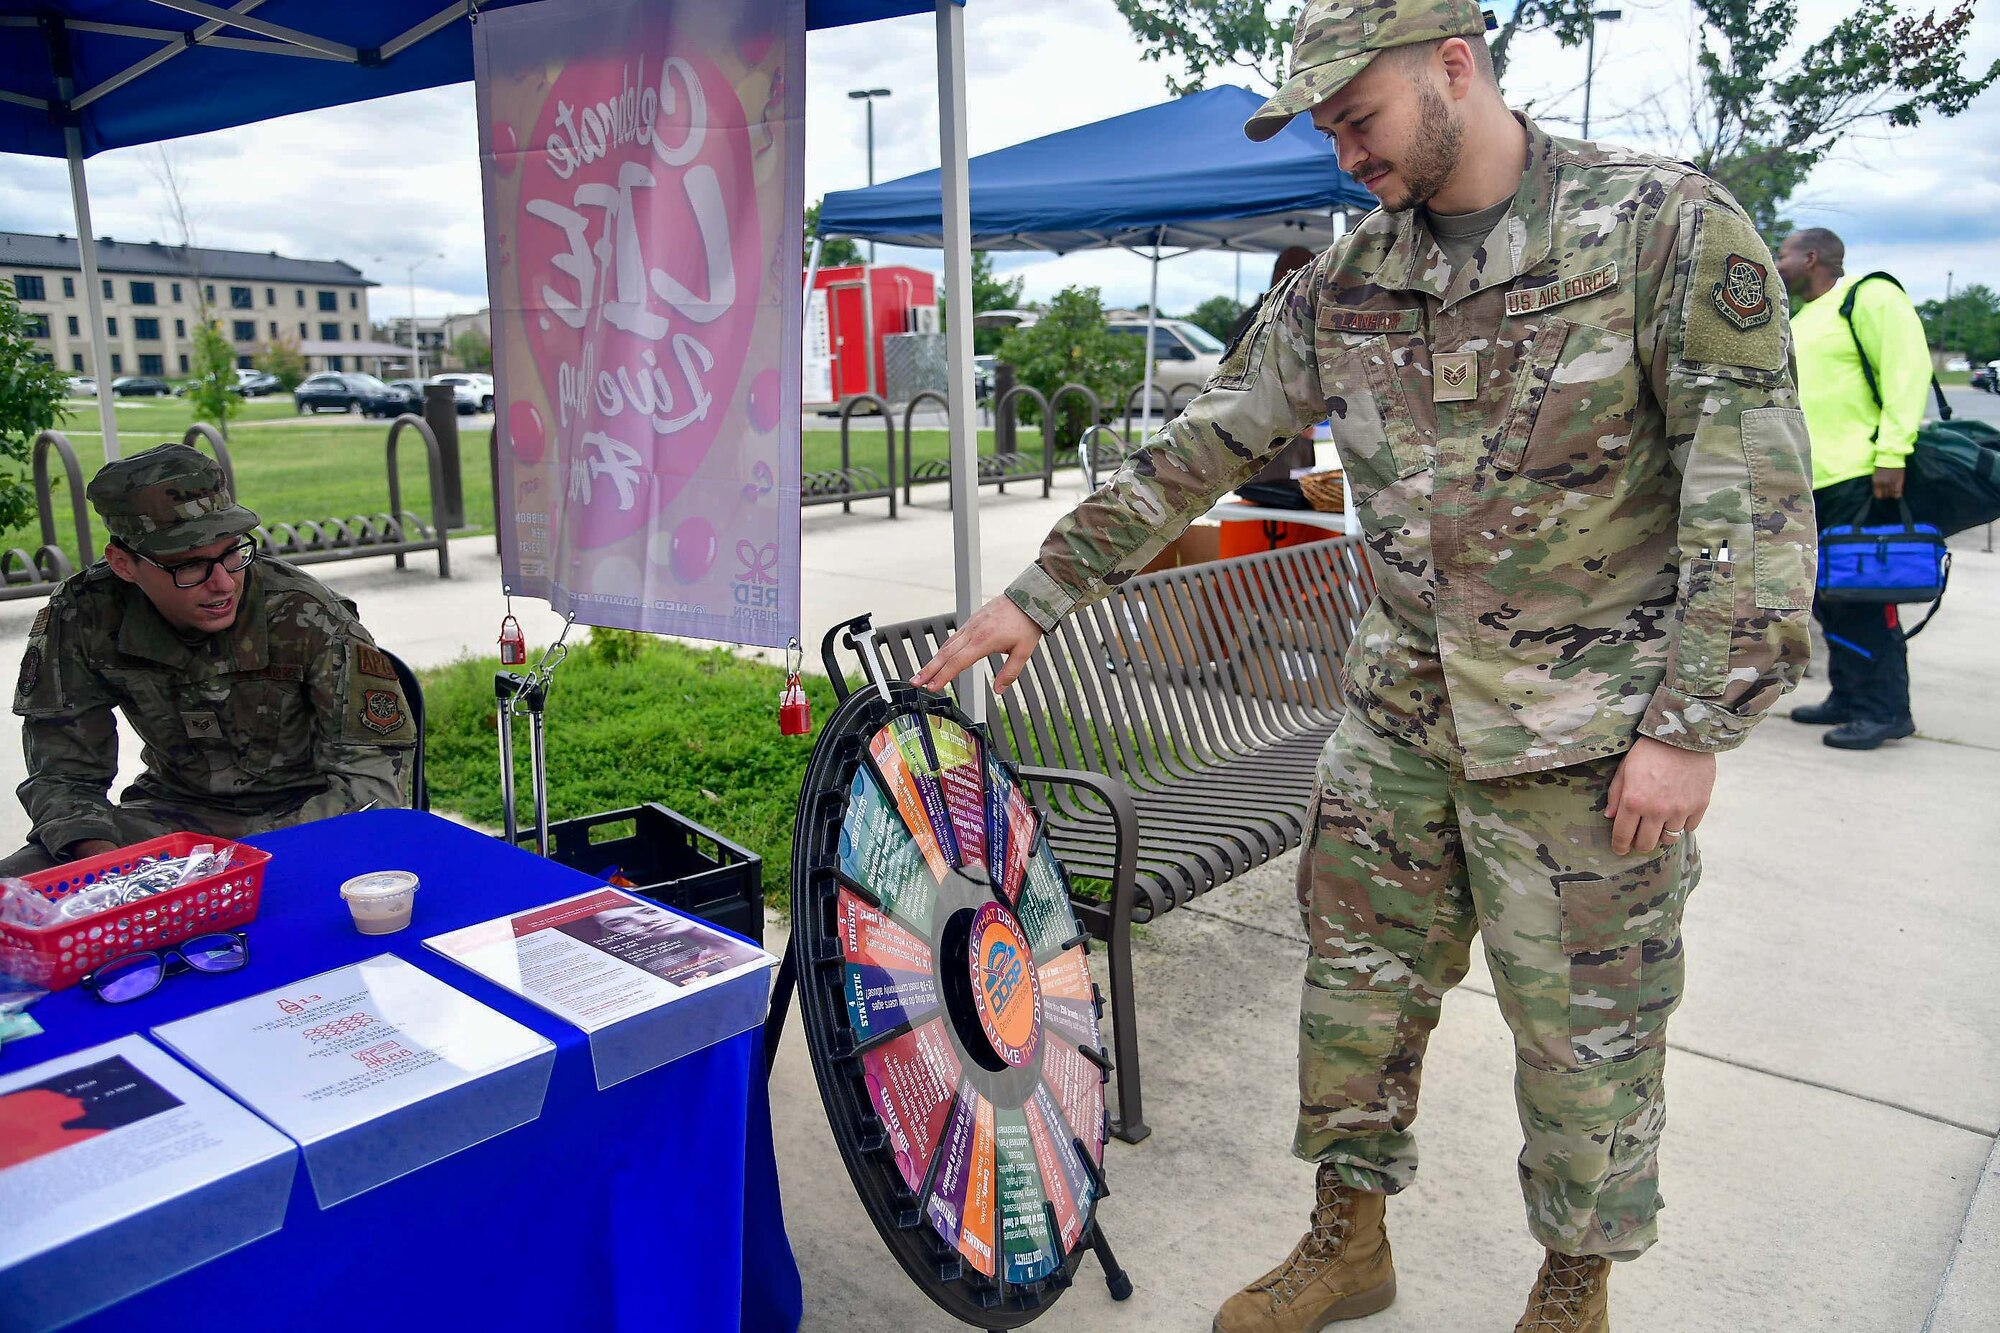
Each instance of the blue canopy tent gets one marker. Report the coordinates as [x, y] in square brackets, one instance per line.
[1180, 176]
[78, 77]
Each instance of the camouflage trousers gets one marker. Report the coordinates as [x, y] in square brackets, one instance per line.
[1407, 861]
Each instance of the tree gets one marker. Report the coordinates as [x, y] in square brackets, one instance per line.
[214, 376]
[837, 251]
[1218, 314]
[1767, 105]
[31, 394]
[1969, 323]
[282, 357]
[473, 350]
[1764, 119]
[1072, 344]
[991, 293]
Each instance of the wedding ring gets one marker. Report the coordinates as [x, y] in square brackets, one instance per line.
[1671, 832]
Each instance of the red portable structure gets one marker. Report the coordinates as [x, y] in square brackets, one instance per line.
[853, 311]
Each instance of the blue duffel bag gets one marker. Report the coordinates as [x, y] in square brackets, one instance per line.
[1898, 562]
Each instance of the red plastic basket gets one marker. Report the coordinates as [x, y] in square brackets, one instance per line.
[59, 955]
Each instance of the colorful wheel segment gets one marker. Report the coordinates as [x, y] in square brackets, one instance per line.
[948, 1005]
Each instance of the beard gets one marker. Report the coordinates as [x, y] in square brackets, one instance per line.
[1433, 155]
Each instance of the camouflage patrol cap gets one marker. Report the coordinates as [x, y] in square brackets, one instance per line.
[1335, 40]
[168, 500]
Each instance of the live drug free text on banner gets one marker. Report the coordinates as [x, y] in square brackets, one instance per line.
[643, 165]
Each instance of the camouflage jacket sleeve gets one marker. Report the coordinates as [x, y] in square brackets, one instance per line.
[363, 731]
[69, 736]
[1715, 343]
[1265, 393]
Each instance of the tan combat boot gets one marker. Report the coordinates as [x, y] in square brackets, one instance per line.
[1341, 1270]
[1572, 1295]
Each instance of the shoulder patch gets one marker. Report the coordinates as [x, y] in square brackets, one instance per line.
[381, 711]
[31, 671]
[1730, 314]
[372, 661]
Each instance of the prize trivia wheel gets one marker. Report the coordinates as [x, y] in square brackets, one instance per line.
[948, 1007]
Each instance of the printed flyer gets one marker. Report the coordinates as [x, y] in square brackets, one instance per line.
[601, 957]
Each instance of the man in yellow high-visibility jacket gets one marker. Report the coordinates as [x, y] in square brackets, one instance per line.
[1861, 439]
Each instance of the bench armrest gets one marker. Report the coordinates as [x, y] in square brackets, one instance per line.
[1125, 828]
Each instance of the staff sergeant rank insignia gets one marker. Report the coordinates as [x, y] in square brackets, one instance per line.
[1741, 297]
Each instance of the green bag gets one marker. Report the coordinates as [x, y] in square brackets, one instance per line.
[1952, 481]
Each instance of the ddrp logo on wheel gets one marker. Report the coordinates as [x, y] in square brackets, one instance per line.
[1003, 983]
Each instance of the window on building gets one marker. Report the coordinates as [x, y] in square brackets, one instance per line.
[244, 330]
[357, 331]
[151, 363]
[38, 325]
[243, 362]
[69, 287]
[329, 333]
[336, 363]
[107, 289]
[30, 287]
[76, 362]
[75, 329]
[270, 296]
[180, 328]
[353, 301]
[184, 363]
[329, 300]
[274, 329]
[208, 292]
[142, 294]
[111, 325]
[177, 293]
[146, 330]
[240, 298]
[300, 292]
[302, 330]
[117, 364]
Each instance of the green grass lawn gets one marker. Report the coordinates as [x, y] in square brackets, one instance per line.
[164, 417]
[642, 720]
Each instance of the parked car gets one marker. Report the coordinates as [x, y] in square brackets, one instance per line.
[140, 386]
[412, 392]
[1186, 356]
[82, 386]
[346, 392]
[257, 383]
[982, 377]
[480, 396]
[1987, 377]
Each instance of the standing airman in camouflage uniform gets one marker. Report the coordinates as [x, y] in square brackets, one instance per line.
[260, 699]
[1560, 382]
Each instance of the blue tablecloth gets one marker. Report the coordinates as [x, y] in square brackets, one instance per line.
[651, 1205]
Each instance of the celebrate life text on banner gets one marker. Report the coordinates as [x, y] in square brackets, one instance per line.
[644, 173]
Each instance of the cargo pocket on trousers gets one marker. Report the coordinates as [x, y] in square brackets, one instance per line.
[1347, 1039]
[1621, 937]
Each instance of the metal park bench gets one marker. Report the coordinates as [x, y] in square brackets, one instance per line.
[1170, 732]
[995, 469]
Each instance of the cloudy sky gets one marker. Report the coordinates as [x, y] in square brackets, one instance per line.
[392, 183]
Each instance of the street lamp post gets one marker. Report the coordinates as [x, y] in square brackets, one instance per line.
[1590, 59]
[867, 96]
[416, 348]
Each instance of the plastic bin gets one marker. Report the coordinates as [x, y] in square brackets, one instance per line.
[671, 859]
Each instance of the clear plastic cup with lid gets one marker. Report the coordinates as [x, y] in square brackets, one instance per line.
[381, 900]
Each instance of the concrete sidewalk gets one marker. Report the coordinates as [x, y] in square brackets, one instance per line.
[1836, 1075]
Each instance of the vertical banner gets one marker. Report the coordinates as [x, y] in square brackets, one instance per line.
[643, 164]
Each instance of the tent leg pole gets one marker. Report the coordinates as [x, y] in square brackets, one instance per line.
[1152, 322]
[86, 244]
[957, 238]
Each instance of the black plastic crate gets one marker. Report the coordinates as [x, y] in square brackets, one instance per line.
[673, 860]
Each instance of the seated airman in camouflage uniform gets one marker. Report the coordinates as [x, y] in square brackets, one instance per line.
[259, 698]
[1560, 380]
